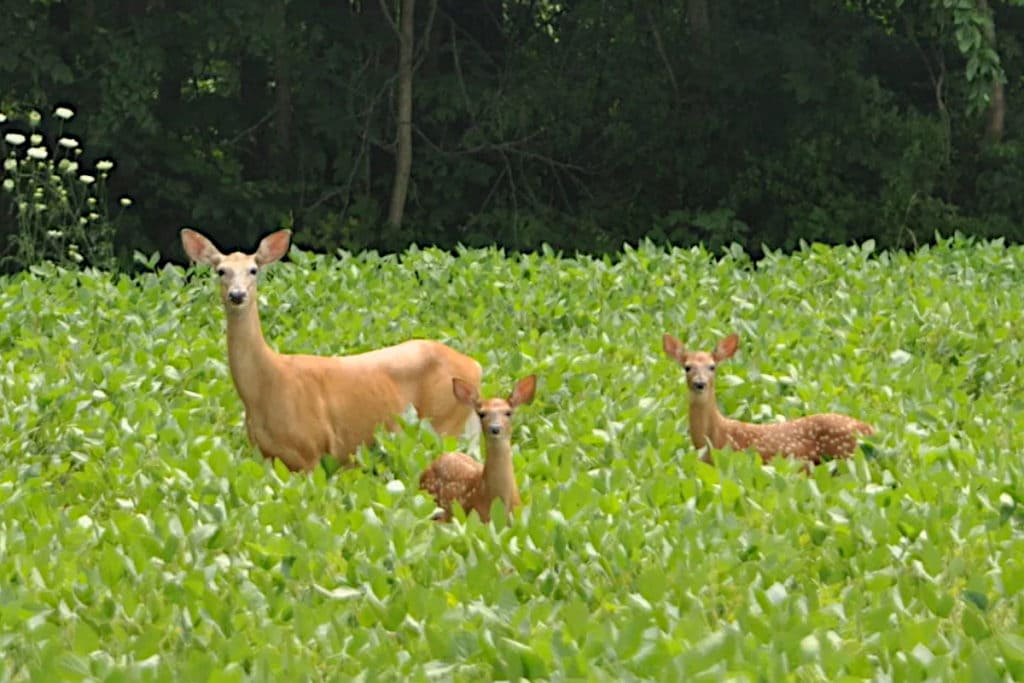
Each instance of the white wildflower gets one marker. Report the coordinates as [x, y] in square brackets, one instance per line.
[126, 201]
[8, 185]
[68, 143]
[104, 165]
[63, 113]
[93, 215]
[55, 234]
[87, 179]
[34, 117]
[67, 166]
[3, 117]
[73, 253]
[35, 139]
[37, 152]
[14, 139]
[10, 164]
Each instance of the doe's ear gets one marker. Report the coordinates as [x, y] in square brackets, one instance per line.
[673, 347]
[465, 392]
[726, 348]
[199, 248]
[523, 393]
[273, 247]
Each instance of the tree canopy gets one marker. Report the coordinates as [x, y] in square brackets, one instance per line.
[582, 124]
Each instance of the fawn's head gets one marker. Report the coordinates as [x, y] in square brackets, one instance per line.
[237, 271]
[495, 413]
[700, 365]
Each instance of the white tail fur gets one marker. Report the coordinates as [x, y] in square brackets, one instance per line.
[456, 477]
[299, 408]
[808, 438]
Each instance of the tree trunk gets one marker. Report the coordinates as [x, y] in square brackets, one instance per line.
[698, 18]
[403, 153]
[996, 124]
[253, 100]
[996, 113]
[282, 90]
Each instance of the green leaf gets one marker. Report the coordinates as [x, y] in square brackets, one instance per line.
[1011, 645]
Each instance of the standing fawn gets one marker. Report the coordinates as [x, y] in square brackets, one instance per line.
[456, 477]
[808, 438]
[299, 408]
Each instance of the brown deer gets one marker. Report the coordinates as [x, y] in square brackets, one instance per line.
[809, 438]
[299, 408]
[456, 477]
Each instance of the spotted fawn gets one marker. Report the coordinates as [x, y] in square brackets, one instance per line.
[808, 438]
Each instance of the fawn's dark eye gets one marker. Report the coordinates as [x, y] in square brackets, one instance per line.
[711, 368]
[252, 271]
[221, 272]
[508, 413]
[481, 414]
[687, 368]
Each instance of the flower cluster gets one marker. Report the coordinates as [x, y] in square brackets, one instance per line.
[58, 204]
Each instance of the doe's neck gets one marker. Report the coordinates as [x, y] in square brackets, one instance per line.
[252, 362]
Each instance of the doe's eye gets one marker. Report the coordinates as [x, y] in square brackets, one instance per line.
[252, 271]
[687, 368]
[508, 413]
[221, 272]
[712, 368]
[481, 414]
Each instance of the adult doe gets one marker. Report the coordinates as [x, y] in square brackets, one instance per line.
[809, 438]
[299, 408]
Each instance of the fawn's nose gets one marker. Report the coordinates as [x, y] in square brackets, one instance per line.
[236, 297]
[700, 386]
[495, 429]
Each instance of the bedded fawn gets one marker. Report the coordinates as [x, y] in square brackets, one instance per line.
[456, 477]
[809, 438]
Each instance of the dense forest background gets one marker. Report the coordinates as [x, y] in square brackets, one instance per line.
[583, 124]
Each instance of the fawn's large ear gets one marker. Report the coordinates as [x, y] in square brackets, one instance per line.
[199, 248]
[523, 393]
[273, 247]
[673, 347]
[465, 392]
[726, 348]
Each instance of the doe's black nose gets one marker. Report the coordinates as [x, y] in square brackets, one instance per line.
[495, 429]
[236, 297]
[700, 386]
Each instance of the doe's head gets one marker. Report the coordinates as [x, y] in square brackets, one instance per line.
[700, 365]
[495, 413]
[237, 271]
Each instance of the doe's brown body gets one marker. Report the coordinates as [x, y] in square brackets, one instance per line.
[299, 408]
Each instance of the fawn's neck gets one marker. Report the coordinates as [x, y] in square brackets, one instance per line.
[499, 477]
[252, 362]
[707, 426]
